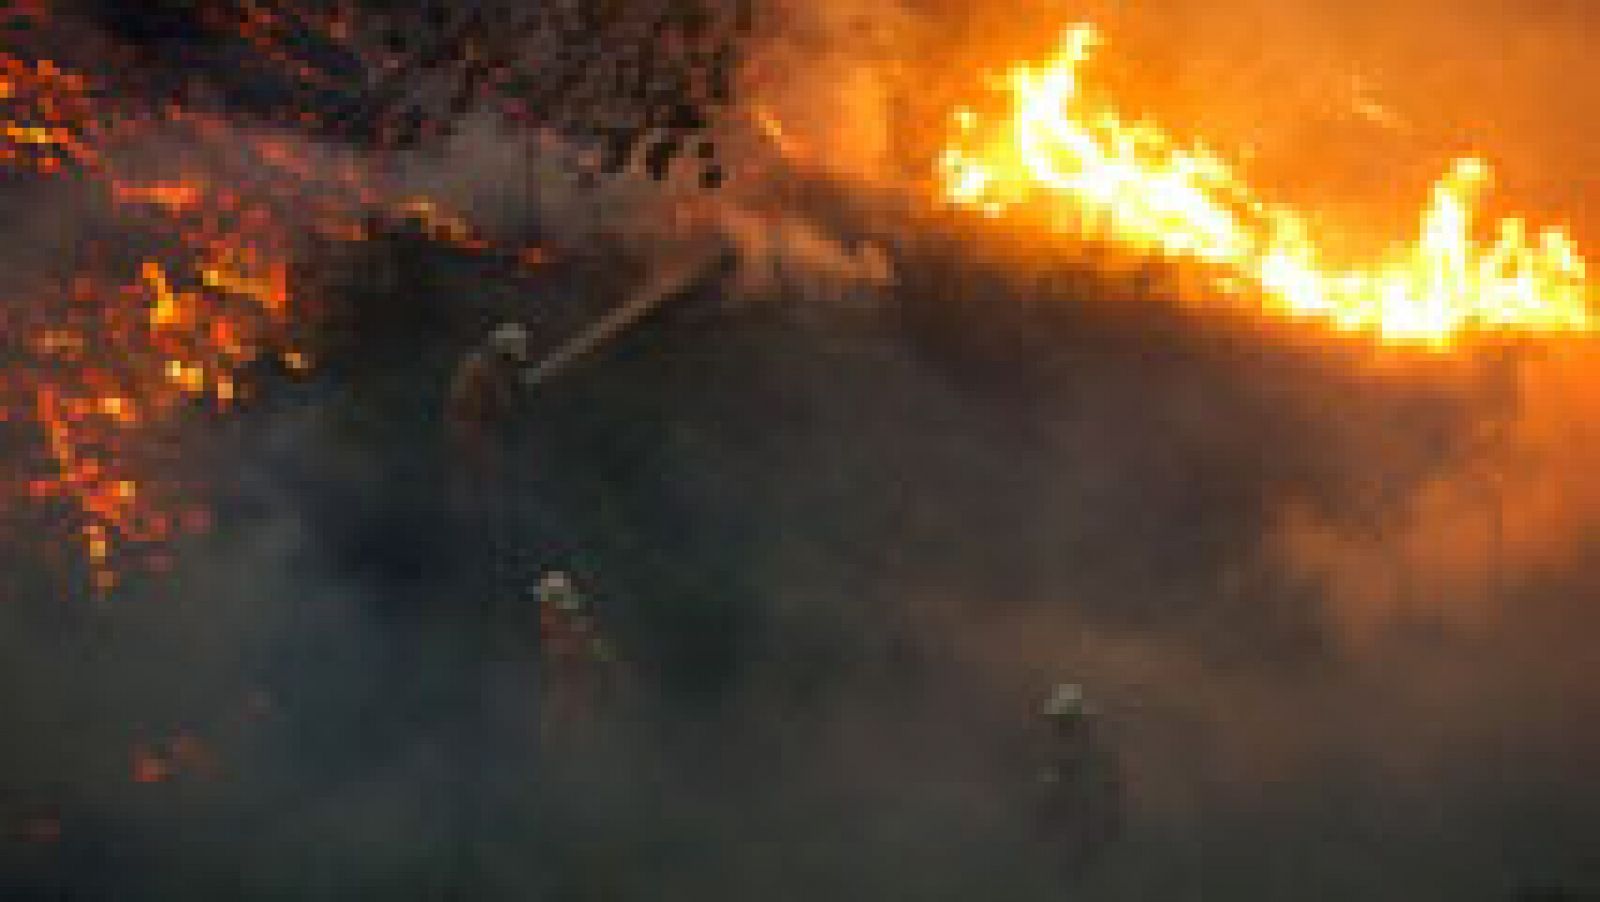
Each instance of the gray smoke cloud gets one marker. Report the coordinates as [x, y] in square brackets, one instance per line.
[1334, 617]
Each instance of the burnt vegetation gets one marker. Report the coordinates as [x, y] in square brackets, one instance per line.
[644, 84]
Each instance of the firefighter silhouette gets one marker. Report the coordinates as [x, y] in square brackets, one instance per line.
[578, 663]
[1077, 785]
[484, 396]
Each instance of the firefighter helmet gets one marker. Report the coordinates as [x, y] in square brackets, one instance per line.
[510, 340]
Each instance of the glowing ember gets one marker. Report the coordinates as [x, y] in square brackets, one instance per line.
[106, 360]
[1093, 173]
[108, 348]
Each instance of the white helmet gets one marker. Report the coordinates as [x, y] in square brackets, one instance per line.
[1065, 702]
[510, 340]
[556, 588]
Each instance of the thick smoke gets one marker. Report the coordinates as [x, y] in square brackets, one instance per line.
[1332, 610]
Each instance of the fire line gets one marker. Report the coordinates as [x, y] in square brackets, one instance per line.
[1091, 172]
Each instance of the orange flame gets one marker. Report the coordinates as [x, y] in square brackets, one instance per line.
[1095, 174]
[106, 362]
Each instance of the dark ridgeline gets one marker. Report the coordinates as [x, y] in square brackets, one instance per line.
[643, 83]
[292, 74]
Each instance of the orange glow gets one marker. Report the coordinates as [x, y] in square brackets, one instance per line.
[440, 225]
[111, 348]
[770, 127]
[176, 197]
[107, 361]
[1091, 172]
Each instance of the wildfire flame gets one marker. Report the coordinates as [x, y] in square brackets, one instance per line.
[106, 357]
[107, 361]
[1094, 173]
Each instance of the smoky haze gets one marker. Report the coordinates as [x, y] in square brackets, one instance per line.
[1335, 612]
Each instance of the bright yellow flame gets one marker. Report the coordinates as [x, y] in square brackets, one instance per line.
[1097, 175]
